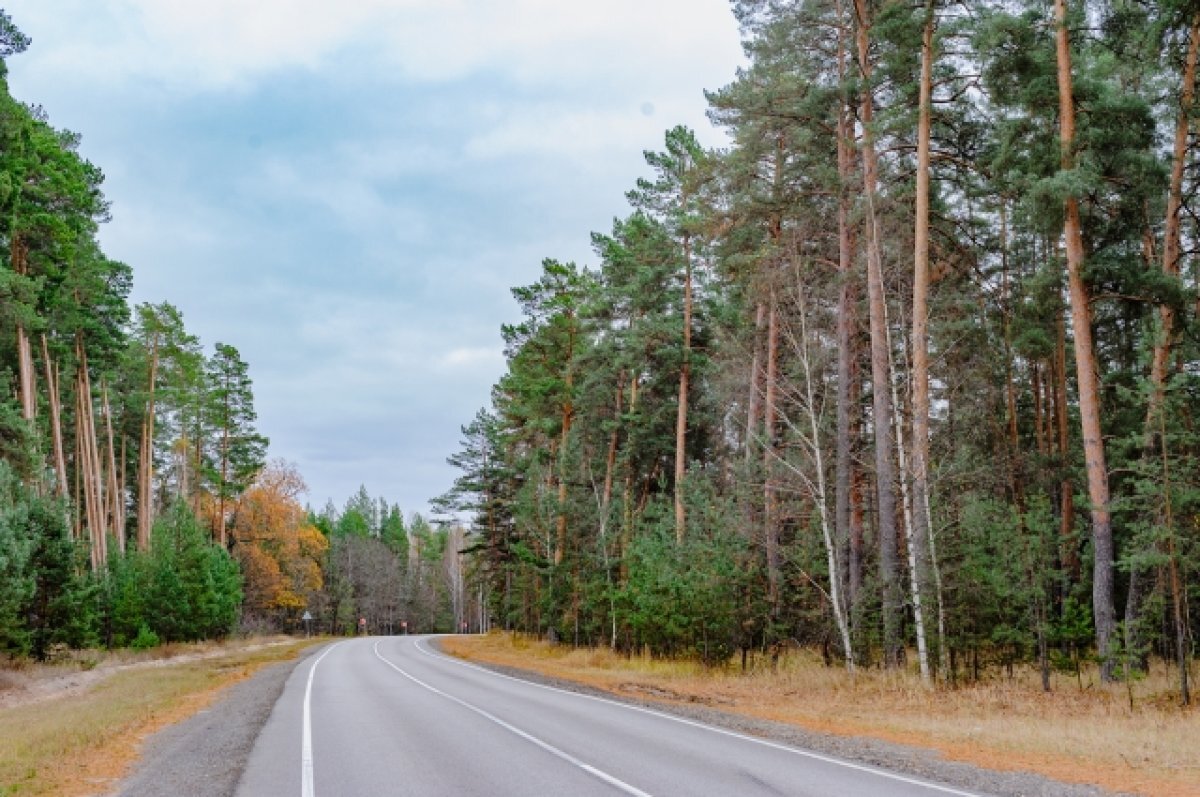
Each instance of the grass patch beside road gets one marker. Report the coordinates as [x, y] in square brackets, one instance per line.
[1073, 734]
[81, 744]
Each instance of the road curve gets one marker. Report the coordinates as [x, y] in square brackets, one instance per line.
[393, 716]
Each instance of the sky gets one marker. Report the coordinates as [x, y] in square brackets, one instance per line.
[346, 192]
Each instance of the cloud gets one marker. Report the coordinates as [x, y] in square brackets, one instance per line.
[347, 193]
[472, 357]
[223, 44]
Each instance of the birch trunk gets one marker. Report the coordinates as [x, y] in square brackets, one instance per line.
[836, 592]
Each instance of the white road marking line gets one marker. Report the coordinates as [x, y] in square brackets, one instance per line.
[713, 728]
[549, 748]
[306, 753]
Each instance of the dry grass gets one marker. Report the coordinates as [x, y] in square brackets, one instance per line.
[1086, 735]
[81, 744]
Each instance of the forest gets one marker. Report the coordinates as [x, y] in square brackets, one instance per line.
[137, 501]
[906, 373]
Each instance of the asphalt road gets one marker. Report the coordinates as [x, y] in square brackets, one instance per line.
[392, 716]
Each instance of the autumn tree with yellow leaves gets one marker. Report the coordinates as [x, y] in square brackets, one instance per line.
[279, 550]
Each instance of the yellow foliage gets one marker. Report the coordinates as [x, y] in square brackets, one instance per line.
[280, 551]
[288, 601]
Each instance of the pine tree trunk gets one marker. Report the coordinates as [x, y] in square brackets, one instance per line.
[28, 386]
[1172, 243]
[56, 433]
[568, 415]
[1010, 381]
[223, 486]
[770, 421]
[610, 459]
[684, 377]
[89, 457]
[754, 404]
[1179, 611]
[146, 458]
[921, 519]
[1071, 562]
[846, 332]
[1103, 607]
[627, 507]
[885, 476]
[25, 377]
[116, 500]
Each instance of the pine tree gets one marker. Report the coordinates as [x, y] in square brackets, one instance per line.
[238, 452]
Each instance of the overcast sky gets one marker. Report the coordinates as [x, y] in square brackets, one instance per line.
[347, 191]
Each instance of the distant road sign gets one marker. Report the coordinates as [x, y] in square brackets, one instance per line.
[307, 616]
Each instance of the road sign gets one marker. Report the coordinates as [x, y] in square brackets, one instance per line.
[307, 616]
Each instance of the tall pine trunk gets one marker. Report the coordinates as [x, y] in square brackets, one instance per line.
[25, 370]
[685, 373]
[146, 457]
[88, 460]
[1103, 607]
[222, 533]
[770, 422]
[885, 474]
[754, 399]
[846, 332]
[1172, 243]
[921, 519]
[56, 432]
[116, 497]
[568, 415]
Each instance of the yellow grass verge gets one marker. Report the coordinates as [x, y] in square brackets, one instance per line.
[1086, 735]
[82, 744]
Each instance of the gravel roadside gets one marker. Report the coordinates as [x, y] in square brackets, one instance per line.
[916, 761]
[204, 755]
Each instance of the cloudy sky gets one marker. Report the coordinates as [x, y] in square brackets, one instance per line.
[346, 191]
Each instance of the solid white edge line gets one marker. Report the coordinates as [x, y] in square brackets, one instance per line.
[883, 773]
[549, 748]
[306, 753]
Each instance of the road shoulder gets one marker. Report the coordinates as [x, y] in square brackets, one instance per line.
[204, 755]
[918, 762]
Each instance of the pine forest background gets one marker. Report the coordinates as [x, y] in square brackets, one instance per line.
[907, 373]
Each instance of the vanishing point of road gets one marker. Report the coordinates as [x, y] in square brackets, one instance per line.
[393, 716]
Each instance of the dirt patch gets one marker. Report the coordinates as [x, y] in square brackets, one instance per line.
[659, 693]
[23, 683]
